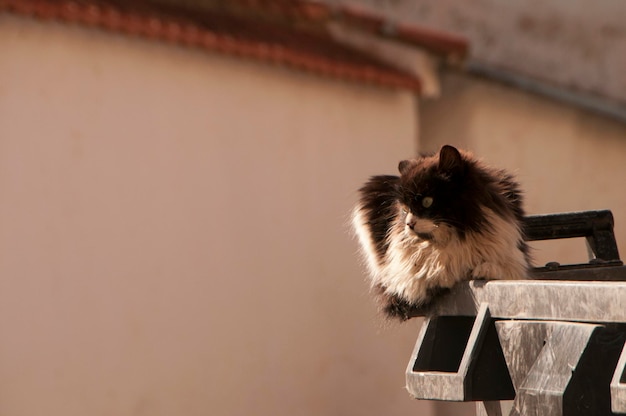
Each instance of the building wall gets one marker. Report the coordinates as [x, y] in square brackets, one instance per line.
[565, 158]
[174, 233]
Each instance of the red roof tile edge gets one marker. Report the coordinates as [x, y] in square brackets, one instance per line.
[438, 42]
[367, 19]
[186, 32]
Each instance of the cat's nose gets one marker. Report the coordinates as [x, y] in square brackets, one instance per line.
[410, 221]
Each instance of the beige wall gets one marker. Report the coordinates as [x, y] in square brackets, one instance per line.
[567, 159]
[173, 233]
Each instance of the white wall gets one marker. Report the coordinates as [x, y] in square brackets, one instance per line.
[173, 234]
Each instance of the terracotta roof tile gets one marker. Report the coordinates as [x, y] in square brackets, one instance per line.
[310, 51]
[367, 19]
[444, 44]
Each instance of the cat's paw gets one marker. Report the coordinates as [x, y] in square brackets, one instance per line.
[396, 307]
[487, 271]
[399, 308]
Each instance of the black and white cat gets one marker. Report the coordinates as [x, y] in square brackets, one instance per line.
[446, 218]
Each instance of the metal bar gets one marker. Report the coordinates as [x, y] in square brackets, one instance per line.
[595, 226]
[610, 271]
[567, 225]
[580, 301]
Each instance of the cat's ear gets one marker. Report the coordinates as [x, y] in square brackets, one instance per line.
[405, 165]
[450, 159]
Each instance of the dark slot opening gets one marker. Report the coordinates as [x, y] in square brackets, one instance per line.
[444, 344]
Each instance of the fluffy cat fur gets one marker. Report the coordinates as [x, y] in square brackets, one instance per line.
[446, 218]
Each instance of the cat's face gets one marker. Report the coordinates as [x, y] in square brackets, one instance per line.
[435, 197]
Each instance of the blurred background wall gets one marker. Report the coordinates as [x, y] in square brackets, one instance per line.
[174, 231]
[174, 234]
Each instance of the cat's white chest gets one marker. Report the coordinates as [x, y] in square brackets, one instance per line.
[414, 267]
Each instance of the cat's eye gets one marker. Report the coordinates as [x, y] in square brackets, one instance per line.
[427, 202]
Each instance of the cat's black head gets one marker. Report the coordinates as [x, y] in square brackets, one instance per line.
[444, 189]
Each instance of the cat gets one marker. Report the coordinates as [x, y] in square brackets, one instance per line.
[447, 218]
